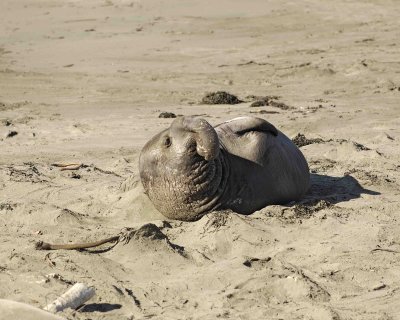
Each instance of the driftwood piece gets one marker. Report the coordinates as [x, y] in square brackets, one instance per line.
[40, 245]
[124, 236]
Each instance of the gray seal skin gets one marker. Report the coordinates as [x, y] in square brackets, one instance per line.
[243, 164]
[12, 310]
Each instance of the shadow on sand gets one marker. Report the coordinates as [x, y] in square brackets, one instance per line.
[335, 189]
[100, 307]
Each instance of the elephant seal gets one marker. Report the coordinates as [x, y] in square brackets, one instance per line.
[16, 310]
[243, 164]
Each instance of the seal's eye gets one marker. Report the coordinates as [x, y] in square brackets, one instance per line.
[167, 142]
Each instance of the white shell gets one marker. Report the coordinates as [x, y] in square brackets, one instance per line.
[76, 296]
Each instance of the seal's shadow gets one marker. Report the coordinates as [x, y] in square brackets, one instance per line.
[335, 189]
[100, 307]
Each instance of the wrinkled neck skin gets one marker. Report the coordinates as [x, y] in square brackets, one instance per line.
[217, 185]
[190, 190]
[207, 185]
[212, 177]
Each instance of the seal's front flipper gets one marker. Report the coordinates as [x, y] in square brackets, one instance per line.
[243, 125]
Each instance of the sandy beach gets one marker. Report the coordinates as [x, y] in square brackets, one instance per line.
[85, 82]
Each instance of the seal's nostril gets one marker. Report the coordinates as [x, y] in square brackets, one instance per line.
[167, 142]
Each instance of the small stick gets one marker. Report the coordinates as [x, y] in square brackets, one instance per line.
[67, 166]
[63, 165]
[71, 167]
[49, 261]
[384, 249]
[40, 245]
[106, 171]
[76, 296]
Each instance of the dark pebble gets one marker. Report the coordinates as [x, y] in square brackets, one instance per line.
[75, 175]
[259, 103]
[11, 134]
[167, 115]
[300, 140]
[220, 97]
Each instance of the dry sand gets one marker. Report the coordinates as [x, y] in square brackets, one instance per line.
[85, 81]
